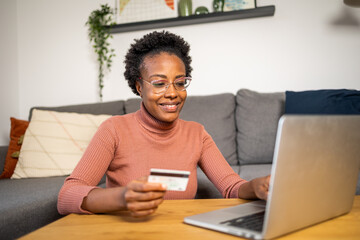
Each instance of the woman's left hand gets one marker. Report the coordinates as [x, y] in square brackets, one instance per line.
[261, 187]
[256, 188]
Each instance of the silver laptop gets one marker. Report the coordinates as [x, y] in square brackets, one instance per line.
[314, 175]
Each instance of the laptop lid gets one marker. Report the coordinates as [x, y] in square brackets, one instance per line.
[314, 175]
[315, 171]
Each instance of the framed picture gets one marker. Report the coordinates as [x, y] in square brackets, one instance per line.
[231, 5]
[128, 11]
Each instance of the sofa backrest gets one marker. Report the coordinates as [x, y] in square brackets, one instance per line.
[243, 126]
[3, 152]
[215, 112]
[110, 108]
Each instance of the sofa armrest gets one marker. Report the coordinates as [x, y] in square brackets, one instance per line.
[3, 152]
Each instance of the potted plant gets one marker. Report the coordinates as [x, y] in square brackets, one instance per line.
[99, 34]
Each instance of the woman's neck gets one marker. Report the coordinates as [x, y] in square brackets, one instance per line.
[152, 123]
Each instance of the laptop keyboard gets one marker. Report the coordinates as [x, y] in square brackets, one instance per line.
[252, 222]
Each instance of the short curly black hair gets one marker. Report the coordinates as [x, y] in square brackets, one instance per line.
[152, 44]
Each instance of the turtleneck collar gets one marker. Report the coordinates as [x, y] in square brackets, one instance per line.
[151, 123]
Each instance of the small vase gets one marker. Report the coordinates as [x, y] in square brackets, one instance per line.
[218, 5]
[185, 8]
[201, 10]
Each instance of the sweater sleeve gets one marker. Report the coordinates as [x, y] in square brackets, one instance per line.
[218, 170]
[89, 171]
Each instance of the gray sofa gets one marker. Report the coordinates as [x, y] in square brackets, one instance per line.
[242, 125]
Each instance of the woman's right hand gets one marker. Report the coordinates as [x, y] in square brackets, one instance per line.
[143, 198]
[140, 197]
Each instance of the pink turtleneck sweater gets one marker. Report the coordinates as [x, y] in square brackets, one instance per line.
[126, 147]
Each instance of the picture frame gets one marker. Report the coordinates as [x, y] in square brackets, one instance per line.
[129, 11]
[233, 5]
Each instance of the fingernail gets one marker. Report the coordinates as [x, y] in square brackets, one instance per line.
[164, 185]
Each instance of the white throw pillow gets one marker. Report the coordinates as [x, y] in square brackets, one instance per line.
[54, 142]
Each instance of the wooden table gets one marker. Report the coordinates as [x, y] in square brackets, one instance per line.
[167, 223]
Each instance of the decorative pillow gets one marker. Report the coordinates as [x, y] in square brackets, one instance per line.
[333, 101]
[257, 115]
[54, 143]
[17, 131]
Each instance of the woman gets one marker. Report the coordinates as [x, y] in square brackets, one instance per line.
[126, 147]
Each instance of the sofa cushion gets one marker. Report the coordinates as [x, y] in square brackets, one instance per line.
[27, 204]
[132, 105]
[257, 115]
[54, 143]
[109, 108]
[17, 132]
[215, 112]
[332, 101]
[249, 172]
[206, 189]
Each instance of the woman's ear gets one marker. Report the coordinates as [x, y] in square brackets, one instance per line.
[138, 88]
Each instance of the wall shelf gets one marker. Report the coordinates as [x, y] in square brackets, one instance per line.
[194, 19]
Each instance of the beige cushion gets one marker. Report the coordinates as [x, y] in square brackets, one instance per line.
[54, 143]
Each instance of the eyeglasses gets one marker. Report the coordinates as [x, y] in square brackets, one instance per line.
[161, 86]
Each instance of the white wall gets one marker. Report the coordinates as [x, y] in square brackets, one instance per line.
[9, 81]
[306, 45]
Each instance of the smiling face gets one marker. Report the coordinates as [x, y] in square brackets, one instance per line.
[164, 106]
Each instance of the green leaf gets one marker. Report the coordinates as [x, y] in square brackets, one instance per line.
[98, 35]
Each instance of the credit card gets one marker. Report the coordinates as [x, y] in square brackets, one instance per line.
[175, 180]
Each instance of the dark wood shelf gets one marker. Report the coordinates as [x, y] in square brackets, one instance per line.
[194, 19]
